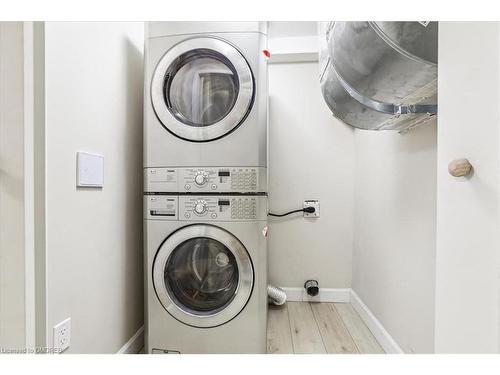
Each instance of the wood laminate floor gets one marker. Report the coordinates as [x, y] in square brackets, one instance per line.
[308, 328]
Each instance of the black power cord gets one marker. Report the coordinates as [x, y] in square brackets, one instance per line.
[309, 210]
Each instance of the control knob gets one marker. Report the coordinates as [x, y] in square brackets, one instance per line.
[200, 207]
[200, 178]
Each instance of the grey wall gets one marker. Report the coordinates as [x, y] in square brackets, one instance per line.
[394, 232]
[377, 192]
[12, 270]
[93, 102]
[310, 157]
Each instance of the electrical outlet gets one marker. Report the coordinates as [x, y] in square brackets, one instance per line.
[62, 335]
[312, 203]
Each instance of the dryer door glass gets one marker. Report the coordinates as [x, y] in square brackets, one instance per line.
[201, 87]
[201, 275]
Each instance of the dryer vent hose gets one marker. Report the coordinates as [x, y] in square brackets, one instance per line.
[275, 295]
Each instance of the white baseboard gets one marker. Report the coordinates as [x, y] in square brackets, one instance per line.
[385, 340]
[134, 344]
[346, 295]
[341, 295]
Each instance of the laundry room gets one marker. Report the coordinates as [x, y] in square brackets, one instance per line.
[249, 187]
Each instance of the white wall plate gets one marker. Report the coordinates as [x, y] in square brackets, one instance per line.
[89, 170]
[62, 335]
[312, 203]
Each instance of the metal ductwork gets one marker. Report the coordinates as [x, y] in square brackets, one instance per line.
[380, 75]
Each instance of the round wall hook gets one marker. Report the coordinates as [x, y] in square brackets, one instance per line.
[459, 167]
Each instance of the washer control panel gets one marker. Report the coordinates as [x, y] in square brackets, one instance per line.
[205, 179]
[205, 208]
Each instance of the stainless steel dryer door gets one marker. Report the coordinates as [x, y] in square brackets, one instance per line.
[203, 275]
[202, 89]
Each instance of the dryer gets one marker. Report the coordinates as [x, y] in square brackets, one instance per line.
[205, 94]
[206, 266]
[211, 180]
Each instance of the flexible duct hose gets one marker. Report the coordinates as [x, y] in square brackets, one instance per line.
[275, 295]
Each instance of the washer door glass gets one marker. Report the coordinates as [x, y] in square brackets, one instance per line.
[202, 89]
[202, 276]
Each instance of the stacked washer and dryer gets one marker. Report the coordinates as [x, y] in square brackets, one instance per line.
[205, 187]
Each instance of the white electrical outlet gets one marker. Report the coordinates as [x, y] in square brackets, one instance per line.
[312, 203]
[62, 335]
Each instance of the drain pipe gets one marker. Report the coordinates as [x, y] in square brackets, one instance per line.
[276, 296]
[312, 287]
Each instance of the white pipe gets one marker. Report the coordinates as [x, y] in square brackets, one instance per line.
[275, 295]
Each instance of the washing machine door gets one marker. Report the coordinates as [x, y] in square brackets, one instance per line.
[202, 89]
[203, 275]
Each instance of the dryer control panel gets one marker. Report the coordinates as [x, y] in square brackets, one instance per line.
[205, 180]
[205, 208]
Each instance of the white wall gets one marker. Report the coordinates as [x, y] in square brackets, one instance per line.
[12, 272]
[468, 220]
[310, 157]
[93, 102]
[290, 29]
[295, 41]
[394, 232]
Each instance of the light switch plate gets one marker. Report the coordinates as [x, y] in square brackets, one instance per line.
[89, 170]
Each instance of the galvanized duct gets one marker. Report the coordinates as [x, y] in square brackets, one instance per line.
[380, 75]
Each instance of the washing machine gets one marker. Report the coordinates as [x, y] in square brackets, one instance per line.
[206, 273]
[205, 94]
